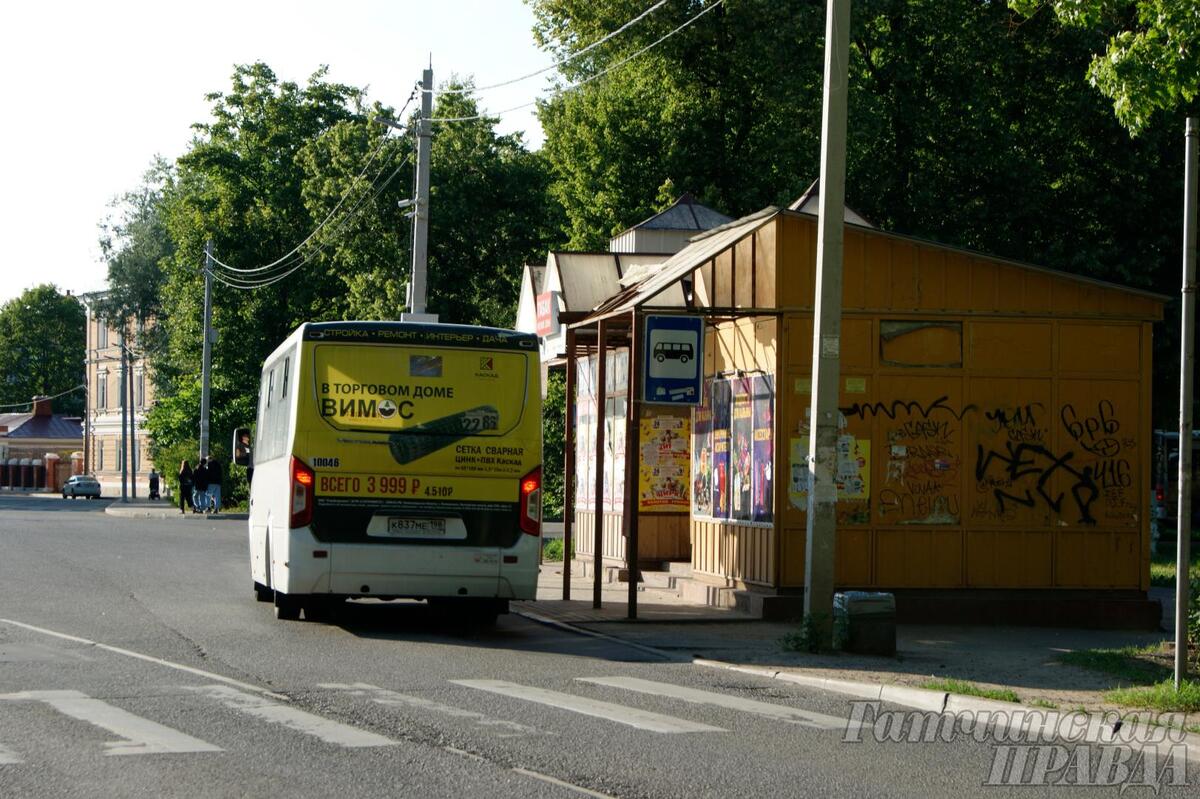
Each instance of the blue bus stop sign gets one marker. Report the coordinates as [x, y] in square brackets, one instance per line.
[672, 359]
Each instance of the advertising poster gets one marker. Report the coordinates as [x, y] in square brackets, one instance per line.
[616, 466]
[763, 451]
[740, 459]
[663, 466]
[585, 436]
[721, 400]
[853, 470]
[702, 453]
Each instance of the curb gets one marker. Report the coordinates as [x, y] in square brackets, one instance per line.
[571, 628]
[150, 512]
[1015, 718]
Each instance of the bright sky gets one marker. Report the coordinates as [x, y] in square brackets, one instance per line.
[96, 89]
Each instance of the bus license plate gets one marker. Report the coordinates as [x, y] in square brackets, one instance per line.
[416, 528]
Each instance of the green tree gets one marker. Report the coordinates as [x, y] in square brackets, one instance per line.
[42, 341]
[242, 185]
[554, 426]
[1152, 61]
[135, 243]
[728, 109]
[491, 213]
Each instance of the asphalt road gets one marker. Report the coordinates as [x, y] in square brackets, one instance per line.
[134, 661]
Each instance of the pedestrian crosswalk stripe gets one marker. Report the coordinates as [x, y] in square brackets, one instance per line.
[806, 718]
[382, 696]
[8, 757]
[139, 736]
[293, 718]
[633, 717]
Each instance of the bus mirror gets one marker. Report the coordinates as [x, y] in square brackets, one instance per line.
[241, 446]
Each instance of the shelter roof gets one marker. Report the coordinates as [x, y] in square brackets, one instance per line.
[707, 245]
[588, 278]
[699, 251]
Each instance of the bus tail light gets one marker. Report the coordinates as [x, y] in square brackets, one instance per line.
[531, 502]
[303, 493]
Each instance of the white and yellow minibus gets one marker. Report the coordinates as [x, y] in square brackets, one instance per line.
[396, 460]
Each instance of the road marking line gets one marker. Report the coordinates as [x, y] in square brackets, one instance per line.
[804, 718]
[570, 786]
[141, 736]
[293, 718]
[383, 696]
[641, 719]
[8, 757]
[208, 675]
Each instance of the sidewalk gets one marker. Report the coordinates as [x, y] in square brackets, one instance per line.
[1021, 659]
[161, 509]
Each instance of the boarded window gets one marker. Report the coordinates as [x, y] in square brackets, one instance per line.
[920, 344]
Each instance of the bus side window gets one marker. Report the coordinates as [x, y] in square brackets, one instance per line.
[287, 362]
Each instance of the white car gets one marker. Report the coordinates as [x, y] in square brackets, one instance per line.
[81, 485]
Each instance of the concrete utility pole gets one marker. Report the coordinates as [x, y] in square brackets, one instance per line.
[1187, 360]
[124, 413]
[206, 363]
[827, 328]
[420, 249]
[133, 453]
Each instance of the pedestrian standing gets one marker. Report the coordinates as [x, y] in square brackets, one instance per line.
[200, 490]
[214, 485]
[185, 487]
[153, 483]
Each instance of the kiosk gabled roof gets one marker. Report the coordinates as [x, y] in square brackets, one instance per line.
[707, 245]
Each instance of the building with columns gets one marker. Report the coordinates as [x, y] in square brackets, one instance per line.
[104, 446]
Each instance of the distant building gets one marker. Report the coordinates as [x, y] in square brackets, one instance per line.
[102, 420]
[36, 446]
[669, 230]
[571, 284]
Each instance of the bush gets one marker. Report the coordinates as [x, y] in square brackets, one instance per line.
[553, 550]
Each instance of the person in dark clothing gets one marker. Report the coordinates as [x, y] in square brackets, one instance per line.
[153, 484]
[200, 484]
[214, 485]
[185, 487]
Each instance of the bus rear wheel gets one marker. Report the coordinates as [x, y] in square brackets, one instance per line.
[262, 593]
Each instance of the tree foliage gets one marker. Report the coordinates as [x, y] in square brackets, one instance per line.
[728, 110]
[1152, 60]
[279, 165]
[41, 348]
[135, 244]
[967, 125]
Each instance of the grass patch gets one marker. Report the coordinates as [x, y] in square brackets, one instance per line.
[1046, 703]
[1160, 696]
[1142, 665]
[552, 550]
[1162, 568]
[971, 689]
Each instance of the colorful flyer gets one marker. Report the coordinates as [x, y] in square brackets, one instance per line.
[721, 398]
[664, 465]
[702, 453]
[740, 457]
[763, 451]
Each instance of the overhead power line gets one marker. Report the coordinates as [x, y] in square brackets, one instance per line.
[55, 396]
[283, 261]
[561, 61]
[622, 62]
[262, 281]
